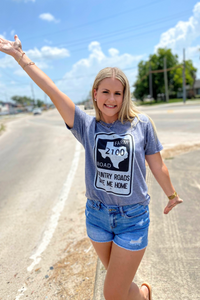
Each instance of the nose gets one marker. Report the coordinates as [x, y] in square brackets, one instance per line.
[111, 97]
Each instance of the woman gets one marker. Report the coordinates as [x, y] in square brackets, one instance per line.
[117, 142]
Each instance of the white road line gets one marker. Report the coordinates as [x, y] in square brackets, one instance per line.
[57, 209]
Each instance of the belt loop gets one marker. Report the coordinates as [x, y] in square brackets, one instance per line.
[99, 205]
[121, 210]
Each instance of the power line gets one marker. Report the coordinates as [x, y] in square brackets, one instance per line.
[122, 39]
[96, 21]
[116, 40]
[166, 80]
[158, 71]
[89, 75]
[184, 85]
[139, 34]
[9, 76]
[134, 35]
[122, 31]
[84, 76]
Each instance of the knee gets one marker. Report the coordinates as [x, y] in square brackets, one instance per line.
[108, 293]
[112, 294]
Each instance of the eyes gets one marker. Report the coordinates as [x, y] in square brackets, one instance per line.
[115, 93]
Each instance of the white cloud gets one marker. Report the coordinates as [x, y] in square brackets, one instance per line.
[113, 52]
[48, 42]
[41, 57]
[20, 72]
[183, 34]
[48, 52]
[7, 62]
[3, 35]
[193, 51]
[48, 17]
[12, 33]
[78, 82]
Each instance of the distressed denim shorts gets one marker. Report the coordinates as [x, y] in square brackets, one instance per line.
[127, 226]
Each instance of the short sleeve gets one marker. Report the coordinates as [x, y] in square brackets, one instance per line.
[152, 143]
[81, 122]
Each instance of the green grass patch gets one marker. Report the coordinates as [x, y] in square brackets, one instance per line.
[2, 128]
[161, 102]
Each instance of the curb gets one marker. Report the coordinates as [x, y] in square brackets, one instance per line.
[187, 103]
[99, 281]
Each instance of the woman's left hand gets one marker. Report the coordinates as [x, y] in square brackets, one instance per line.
[172, 203]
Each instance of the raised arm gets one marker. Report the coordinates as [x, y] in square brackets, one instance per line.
[161, 173]
[62, 102]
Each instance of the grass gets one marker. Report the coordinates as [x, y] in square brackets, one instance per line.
[2, 128]
[161, 102]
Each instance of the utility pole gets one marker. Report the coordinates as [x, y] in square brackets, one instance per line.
[150, 81]
[184, 90]
[45, 100]
[166, 81]
[33, 92]
[6, 97]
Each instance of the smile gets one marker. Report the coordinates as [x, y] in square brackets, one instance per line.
[110, 106]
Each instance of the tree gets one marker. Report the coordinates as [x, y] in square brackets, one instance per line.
[27, 101]
[39, 103]
[24, 101]
[175, 78]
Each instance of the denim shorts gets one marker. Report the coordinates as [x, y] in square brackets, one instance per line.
[127, 226]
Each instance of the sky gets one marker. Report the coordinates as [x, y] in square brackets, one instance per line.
[72, 40]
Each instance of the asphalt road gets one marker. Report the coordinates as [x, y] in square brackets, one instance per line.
[171, 262]
[35, 157]
[177, 124]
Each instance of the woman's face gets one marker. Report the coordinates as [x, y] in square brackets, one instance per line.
[109, 98]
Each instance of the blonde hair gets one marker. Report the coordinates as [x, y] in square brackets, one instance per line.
[128, 110]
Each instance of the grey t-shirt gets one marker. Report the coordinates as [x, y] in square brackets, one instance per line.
[115, 168]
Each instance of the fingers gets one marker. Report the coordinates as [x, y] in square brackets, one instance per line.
[17, 43]
[167, 209]
[17, 39]
[172, 204]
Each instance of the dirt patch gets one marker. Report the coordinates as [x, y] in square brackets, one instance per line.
[73, 276]
[179, 149]
[4, 120]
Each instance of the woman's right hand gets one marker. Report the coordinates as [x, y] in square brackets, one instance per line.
[11, 48]
[62, 102]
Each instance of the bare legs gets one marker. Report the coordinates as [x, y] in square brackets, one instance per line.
[121, 266]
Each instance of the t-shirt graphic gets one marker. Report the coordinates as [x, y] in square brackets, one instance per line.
[114, 156]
